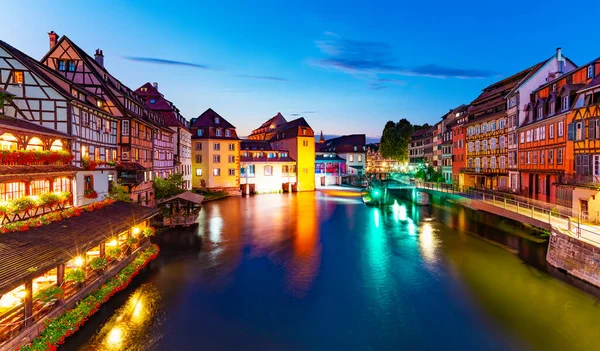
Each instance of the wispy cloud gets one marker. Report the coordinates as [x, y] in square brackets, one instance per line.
[302, 113]
[374, 59]
[160, 61]
[273, 78]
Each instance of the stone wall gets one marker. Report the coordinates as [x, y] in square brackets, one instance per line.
[574, 256]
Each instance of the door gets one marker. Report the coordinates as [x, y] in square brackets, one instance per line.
[530, 185]
[583, 206]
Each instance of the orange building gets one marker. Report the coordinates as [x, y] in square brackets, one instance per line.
[546, 151]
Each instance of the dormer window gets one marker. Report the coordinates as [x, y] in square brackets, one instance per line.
[99, 103]
[144, 89]
[152, 101]
[540, 112]
[200, 132]
[75, 93]
[227, 133]
[565, 105]
[552, 108]
[217, 120]
[219, 132]
[553, 87]
[590, 71]
[71, 66]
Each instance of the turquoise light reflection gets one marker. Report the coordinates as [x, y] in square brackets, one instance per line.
[376, 217]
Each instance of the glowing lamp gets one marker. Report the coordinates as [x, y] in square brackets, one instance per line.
[79, 261]
[113, 242]
[135, 230]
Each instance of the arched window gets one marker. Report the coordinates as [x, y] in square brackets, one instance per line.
[39, 187]
[8, 142]
[35, 144]
[62, 184]
[12, 190]
[56, 145]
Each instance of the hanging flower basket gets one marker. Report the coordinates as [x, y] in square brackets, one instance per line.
[88, 164]
[90, 194]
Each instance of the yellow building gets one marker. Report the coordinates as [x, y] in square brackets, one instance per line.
[298, 138]
[215, 153]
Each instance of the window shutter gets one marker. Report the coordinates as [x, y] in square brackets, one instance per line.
[571, 131]
[591, 125]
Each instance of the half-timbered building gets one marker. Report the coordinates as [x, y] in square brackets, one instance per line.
[43, 97]
[137, 124]
[179, 144]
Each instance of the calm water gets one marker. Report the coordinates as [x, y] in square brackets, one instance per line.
[321, 271]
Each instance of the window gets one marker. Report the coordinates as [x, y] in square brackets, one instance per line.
[540, 112]
[71, 66]
[227, 133]
[12, 191]
[535, 157]
[492, 126]
[590, 71]
[552, 108]
[231, 147]
[528, 136]
[477, 146]
[231, 171]
[152, 101]
[198, 172]
[200, 132]
[359, 158]
[561, 128]
[484, 128]
[542, 157]
[217, 120]
[62, 65]
[198, 146]
[305, 142]
[596, 125]
[61, 184]
[125, 127]
[484, 144]
[579, 134]
[219, 132]
[268, 170]
[565, 105]
[217, 158]
[559, 156]
[351, 158]
[216, 146]
[107, 126]
[39, 187]
[551, 131]
[501, 124]
[542, 132]
[484, 162]
[550, 157]
[198, 158]
[522, 137]
[88, 183]
[231, 159]
[285, 169]
[493, 143]
[217, 172]
[536, 134]
[502, 162]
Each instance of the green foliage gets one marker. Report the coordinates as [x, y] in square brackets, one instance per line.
[4, 98]
[170, 186]
[211, 195]
[23, 204]
[395, 139]
[48, 199]
[148, 232]
[119, 193]
[113, 252]
[98, 263]
[132, 241]
[76, 276]
[429, 174]
[50, 294]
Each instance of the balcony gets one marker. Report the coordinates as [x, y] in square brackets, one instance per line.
[586, 181]
[488, 152]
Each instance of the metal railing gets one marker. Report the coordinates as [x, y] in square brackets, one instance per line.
[548, 214]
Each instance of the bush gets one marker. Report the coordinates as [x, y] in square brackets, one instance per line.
[76, 276]
[113, 252]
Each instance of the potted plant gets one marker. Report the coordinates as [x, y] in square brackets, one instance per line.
[23, 204]
[6, 208]
[148, 232]
[76, 276]
[90, 194]
[49, 199]
[50, 294]
[132, 241]
[98, 263]
[88, 164]
[113, 253]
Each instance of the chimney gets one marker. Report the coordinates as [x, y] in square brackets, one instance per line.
[99, 56]
[155, 85]
[561, 61]
[53, 39]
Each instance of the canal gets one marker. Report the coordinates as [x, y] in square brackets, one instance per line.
[322, 271]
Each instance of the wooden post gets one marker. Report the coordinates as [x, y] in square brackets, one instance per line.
[60, 278]
[28, 303]
[103, 250]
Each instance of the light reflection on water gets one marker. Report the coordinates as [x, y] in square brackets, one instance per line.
[321, 270]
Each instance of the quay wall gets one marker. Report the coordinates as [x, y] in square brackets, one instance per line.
[578, 258]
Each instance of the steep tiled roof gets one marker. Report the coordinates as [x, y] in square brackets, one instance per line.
[255, 145]
[156, 102]
[26, 126]
[207, 121]
[289, 129]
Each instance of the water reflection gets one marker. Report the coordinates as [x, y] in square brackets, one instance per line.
[321, 271]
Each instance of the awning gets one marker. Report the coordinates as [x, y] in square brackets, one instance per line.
[28, 254]
[130, 166]
[357, 167]
[32, 171]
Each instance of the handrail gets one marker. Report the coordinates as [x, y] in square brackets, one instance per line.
[550, 216]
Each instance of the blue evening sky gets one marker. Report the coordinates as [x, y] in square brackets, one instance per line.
[345, 67]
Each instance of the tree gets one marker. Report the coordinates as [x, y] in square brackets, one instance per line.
[429, 174]
[119, 192]
[170, 186]
[4, 98]
[395, 139]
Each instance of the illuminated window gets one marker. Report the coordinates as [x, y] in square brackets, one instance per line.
[11, 191]
[8, 142]
[18, 77]
[62, 184]
[35, 144]
[88, 183]
[268, 170]
[217, 172]
[198, 172]
[39, 187]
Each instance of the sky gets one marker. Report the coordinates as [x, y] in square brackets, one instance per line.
[346, 68]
